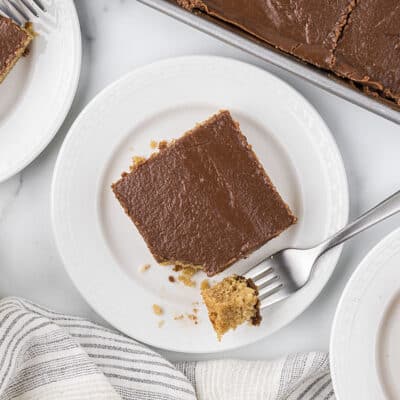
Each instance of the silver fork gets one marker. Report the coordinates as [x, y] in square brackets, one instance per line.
[22, 11]
[287, 271]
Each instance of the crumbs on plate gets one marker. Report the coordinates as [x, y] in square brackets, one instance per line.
[144, 268]
[157, 309]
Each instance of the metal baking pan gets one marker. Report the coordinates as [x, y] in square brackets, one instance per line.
[270, 54]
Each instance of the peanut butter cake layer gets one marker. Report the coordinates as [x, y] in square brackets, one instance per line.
[369, 50]
[308, 29]
[204, 200]
[231, 303]
[13, 42]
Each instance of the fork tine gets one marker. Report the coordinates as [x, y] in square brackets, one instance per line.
[16, 7]
[274, 297]
[39, 4]
[9, 13]
[29, 7]
[260, 270]
[260, 275]
[266, 281]
[269, 291]
[3, 11]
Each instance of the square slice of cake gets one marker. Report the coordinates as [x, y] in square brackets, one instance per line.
[231, 303]
[204, 200]
[13, 43]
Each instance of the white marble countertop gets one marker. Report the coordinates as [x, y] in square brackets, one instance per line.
[117, 37]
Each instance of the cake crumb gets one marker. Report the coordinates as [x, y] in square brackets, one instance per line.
[144, 267]
[171, 279]
[162, 145]
[195, 310]
[157, 309]
[193, 318]
[177, 268]
[153, 144]
[136, 161]
[186, 276]
[161, 323]
[204, 284]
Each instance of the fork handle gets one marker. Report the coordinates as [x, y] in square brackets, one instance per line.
[383, 210]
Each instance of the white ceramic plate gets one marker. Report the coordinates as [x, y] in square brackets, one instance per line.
[37, 94]
[102, 249]
[365, 350]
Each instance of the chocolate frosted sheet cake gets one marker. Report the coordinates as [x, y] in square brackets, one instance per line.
[204, 200]
[369, 50]
[356, 39]
[308, 29]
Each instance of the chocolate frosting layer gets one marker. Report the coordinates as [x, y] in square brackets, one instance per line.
[12, 38]
[356, 39]
[369, 50]
[204, 200]
[308, 29]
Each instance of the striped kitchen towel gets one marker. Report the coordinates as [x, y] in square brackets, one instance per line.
[50, 356]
